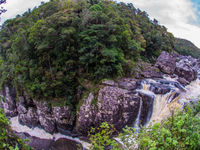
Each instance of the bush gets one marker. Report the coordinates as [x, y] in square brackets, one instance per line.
[179, 132]
[101, 137]
[9, 141]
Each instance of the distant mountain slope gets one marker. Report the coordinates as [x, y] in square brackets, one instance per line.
[186, 47]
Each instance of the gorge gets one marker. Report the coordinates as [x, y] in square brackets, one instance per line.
[128, 101]
[69, 65]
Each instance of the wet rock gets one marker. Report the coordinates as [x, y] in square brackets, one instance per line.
[64, 118]
[151, 72]
[66, 144]
[46, 119]
[185, 70]
[35, 142]
[113, 105]
[9, 101]
[160, 89]
[172, 84]
[147, 107]
[128, 83]
[166, 63]
[47, 123]
[183, 81]
[29, 119]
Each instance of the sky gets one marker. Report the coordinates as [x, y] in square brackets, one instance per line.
[180, 17]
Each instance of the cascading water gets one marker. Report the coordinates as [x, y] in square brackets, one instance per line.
[136, 125]
[163, 104]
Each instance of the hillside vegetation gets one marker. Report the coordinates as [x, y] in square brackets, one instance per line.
[51, 51]
[185, 47]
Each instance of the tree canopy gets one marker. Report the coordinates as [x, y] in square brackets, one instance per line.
[51, 50]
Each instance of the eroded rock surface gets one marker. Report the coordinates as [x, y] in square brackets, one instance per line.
[166, 63]
[64, 118]
[45, 116]
[8, 102]
[30, 118]
[185, 68]
[113, 105]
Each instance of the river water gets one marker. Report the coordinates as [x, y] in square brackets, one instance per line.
[176, 98]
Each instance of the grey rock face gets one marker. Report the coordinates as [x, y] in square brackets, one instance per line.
[86, 116]
[116, 106]
[151, 72]
[46, 119]
[109, 83]
[128, 83]
[29, 119]
[166, 63]
[183, 81]
[64, 118]
[184, 69]
[113, 105]
[9, 102]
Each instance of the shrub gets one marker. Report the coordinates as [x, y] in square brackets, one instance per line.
[101, 137]
[179, 132]
[9, 141]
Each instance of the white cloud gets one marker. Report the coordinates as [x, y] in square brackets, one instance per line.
[15, 7]
[179, 16]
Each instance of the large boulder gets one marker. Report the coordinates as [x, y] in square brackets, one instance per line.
[166, 63]
[30, 118]
[66, 144]
[46, 119]
[35, 142]
[112, 104]
[151, 72]
[64, 118]
[8, 102]
[185, 69]
[86, 115]
[159, 88]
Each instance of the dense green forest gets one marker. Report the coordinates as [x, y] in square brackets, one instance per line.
[51, 51]
[185, 47]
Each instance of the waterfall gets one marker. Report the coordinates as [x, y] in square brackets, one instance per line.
[136, 124]
[163, 104]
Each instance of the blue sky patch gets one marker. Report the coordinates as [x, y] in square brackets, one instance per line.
[196, 4]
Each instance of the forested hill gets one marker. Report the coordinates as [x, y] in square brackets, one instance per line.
[50, 52]
[186, 47]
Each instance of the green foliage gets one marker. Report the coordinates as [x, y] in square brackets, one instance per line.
[101, 137]
[47, 50]
[8, 141]
[185, 47]
[179, 132]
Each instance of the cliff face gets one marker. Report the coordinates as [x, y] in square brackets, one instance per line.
[120, 102]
